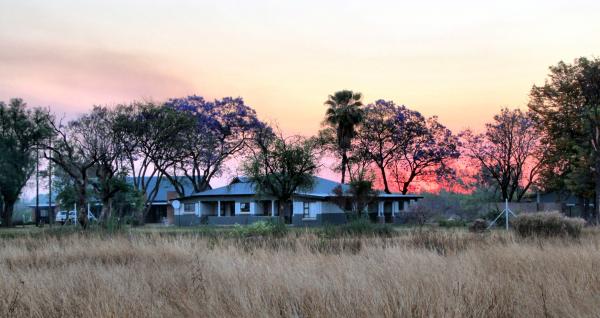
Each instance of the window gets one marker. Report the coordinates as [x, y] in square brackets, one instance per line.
[189, 208]
[305, 209]
[245, 207]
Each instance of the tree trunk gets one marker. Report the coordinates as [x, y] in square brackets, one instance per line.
[106, 213]
[505, 194]
[82, 216]
[386, 189]
[282, 210]
[344, 165]
[145, 211]
[7, 213]
[597, 198]
[406, 184]
[582, 208]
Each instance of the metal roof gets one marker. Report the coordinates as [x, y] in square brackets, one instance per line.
[322, 188]
[164, 187]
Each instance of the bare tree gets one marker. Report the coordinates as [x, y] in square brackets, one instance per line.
[76, 151]
[509, 152]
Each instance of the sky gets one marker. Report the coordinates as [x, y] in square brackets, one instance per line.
[460, 60]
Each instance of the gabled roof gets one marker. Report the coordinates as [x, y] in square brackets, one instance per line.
[164, 187]
[241, 186]
[323, 188]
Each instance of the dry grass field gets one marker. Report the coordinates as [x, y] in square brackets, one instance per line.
[430, 273]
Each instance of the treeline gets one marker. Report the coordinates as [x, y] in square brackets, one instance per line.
[553, 146]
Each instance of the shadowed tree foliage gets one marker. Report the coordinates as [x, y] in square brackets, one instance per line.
[280, 166]
[427, 154]
[221, 129]
[109, 171]
[21, 132]
[86, 149]
[567, 110]
[358, 196]
[343, 114]
[510, 152]
[152, 139]
[386, 131]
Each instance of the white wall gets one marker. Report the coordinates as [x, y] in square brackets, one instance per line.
[316, 207]
[330, 207]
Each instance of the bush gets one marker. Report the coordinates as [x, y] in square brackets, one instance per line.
[451, 223]
[271, 228]
[492, 215]
[419, 215]
[358, 227]
[478, 226]
[547, 224]
[133, 220]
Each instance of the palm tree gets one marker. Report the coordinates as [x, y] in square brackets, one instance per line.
[343, 114]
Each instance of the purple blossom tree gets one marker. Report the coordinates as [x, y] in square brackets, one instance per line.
[427, 156]
[404, 145]
[387, 129]
[223, 129]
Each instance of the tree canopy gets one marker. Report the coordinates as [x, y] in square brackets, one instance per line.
[344, 113]
[510, 152]
[281, 166]
[567, 111]
[221, 129]
[21, 132]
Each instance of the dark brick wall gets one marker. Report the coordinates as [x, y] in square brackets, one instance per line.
[186, 220]
[238, 219]
[321, 219]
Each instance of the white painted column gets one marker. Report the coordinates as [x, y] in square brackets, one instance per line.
[380, 208]
[218, 208]
[272, 207]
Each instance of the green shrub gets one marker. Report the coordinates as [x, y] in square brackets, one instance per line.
[492, 215]
[271, 228]
[478, 226]
[547, 224]
[451, 223]
[114, 224]
[133, 220]
[358, 227]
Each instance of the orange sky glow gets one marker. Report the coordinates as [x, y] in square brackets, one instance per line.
[460, 60]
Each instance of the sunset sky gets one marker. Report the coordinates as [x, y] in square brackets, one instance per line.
[461, 60]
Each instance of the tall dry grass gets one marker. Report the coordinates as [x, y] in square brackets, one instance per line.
[415, 274]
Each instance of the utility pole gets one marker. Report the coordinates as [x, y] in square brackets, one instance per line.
[37, 186]
[50, 208]
[506, 213]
